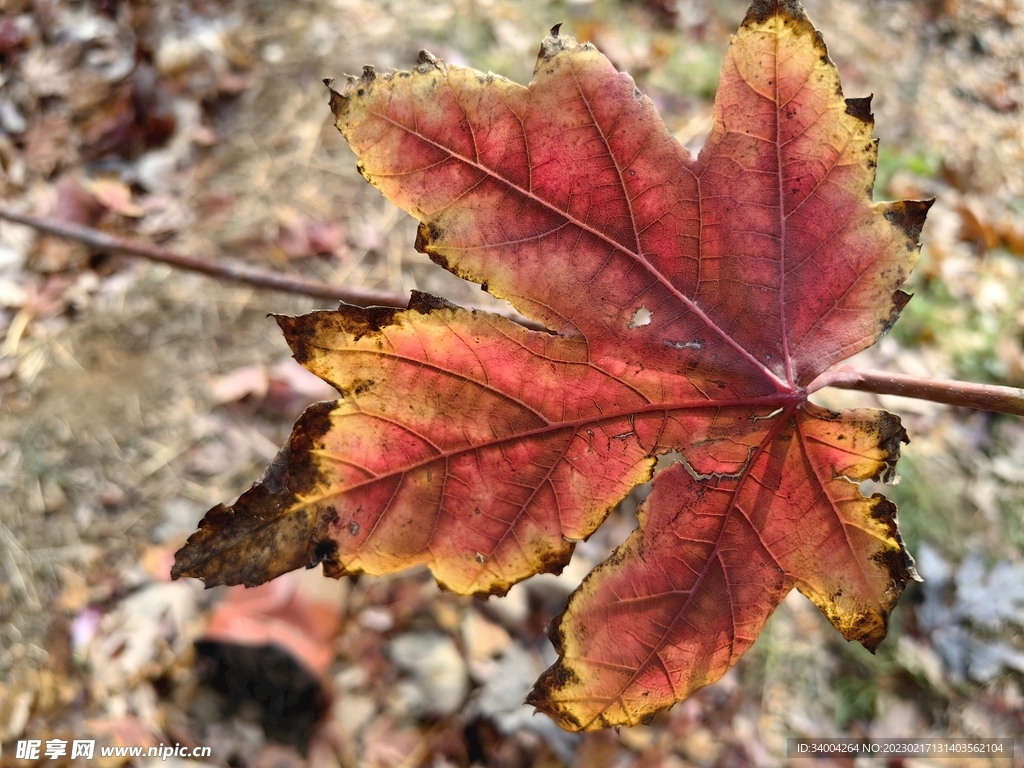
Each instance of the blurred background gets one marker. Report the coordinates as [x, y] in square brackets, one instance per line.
[133, 397]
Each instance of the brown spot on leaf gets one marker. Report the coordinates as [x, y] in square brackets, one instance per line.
[302, 332]
[428, 233]
[426, 61]
[762, 10]
[555, 678]
[908, 216]
[266, 533]
[325, 550]
[860, 108]
[425, 303]
[899, 301]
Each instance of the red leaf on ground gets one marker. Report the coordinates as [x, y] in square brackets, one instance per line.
[281, 614]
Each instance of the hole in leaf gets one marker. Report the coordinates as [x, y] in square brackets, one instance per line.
[636, 497]
[667, 459]
[641, 317]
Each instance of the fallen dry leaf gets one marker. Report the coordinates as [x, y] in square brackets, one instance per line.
[690, 302]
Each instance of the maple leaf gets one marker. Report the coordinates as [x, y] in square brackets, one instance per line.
[689, 302]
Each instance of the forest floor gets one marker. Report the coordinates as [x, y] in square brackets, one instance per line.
[134, 397]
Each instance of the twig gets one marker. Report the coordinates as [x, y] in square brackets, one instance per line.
[228, 269]
[985, 397]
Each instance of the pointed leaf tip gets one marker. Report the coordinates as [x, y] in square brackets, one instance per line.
[861, 109]
[427, 61]
[909, 215]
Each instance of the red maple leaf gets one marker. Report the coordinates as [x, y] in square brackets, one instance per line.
[690, 303]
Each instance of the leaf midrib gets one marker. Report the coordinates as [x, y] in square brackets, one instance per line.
[775, 401]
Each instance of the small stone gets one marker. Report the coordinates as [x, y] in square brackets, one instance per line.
[436, 667]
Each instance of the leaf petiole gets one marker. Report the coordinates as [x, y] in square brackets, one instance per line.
[984, 397]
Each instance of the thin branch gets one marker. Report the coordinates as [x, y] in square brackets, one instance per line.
[984, 397]
[229, 269]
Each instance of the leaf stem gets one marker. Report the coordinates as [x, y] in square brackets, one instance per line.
[226, 269]
[984, 397]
